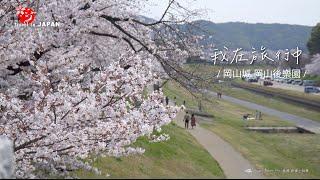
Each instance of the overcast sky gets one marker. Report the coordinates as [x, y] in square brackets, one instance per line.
[302, 12]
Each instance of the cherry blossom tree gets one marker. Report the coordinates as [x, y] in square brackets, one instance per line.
[75, 89]
[314, 66]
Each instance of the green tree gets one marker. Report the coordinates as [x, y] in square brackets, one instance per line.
[314, 41]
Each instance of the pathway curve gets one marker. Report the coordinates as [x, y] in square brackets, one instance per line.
[304, 123]
[233, 164]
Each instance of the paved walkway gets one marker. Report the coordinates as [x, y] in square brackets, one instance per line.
[233, 164]
[307, 124]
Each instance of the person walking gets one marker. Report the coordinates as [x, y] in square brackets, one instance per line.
[200, 105]
[186, 120]
[167, 101]
[193, 121]
[260, 115]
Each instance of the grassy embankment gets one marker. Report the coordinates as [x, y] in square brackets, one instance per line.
[273, 152]
[180, 157]
[274, 102]
[277, 91]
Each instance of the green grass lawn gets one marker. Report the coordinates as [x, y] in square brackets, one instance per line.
[179, 157]
[266, 151]
[213, 106]
[274, 103]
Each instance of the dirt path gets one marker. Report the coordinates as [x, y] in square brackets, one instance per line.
[231, 161]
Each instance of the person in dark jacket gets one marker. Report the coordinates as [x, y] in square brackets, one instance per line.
[167, 100]
[186, 120]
